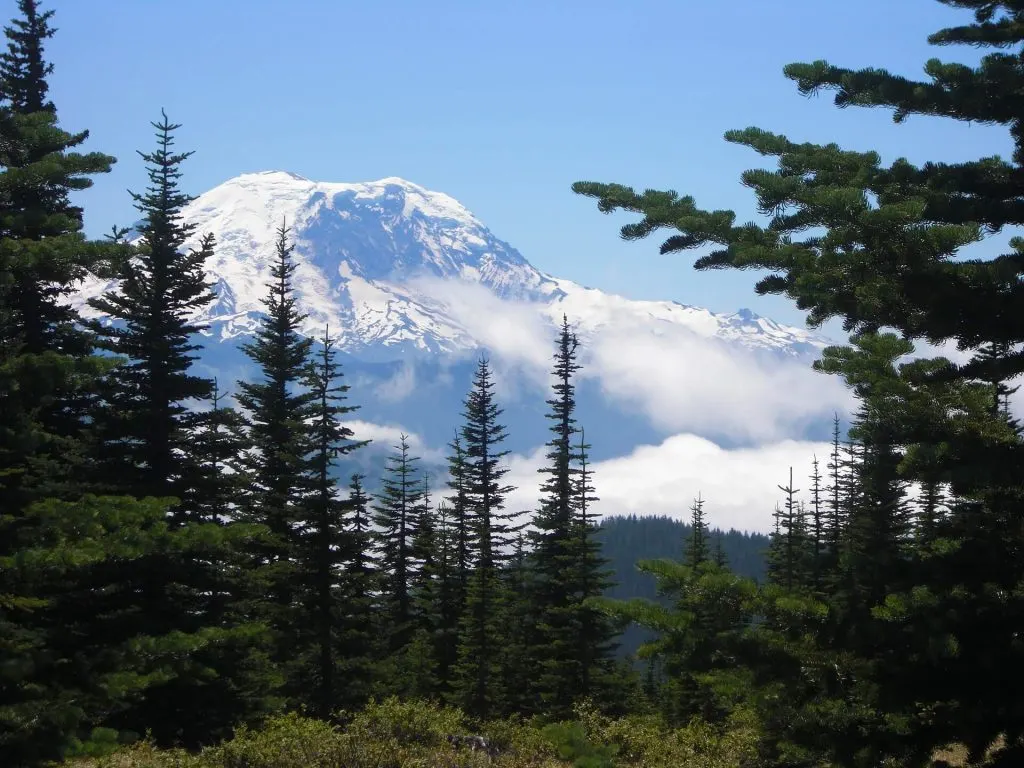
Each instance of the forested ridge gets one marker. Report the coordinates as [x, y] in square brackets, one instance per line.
[184, 581]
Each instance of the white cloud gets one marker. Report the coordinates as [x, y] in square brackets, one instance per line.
[399, 386]
[677, 375]
[740, 486]
[387, 436]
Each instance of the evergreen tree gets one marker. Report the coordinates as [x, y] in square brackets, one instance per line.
[395, 518]
[142, 425]
[90, 650]
[325, 531]
[461, 540]
[596, 641]
[876, 246]
[697, 548]
[218, 444]
[279, 410]
[358, 642]
[46, 360]
[556, 552]
[450, 606]
[426, 591]
[476, 675]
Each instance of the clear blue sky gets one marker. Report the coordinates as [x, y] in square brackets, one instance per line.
[500, 104]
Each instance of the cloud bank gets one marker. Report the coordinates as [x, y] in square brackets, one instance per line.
[677, 378]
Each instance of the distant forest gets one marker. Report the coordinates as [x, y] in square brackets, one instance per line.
[626, 540]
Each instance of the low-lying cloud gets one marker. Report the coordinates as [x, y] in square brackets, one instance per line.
[678, 379]
[740, 486]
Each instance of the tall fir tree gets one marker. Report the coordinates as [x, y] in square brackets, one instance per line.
[279, 409]
[477, 674]
[596, 641]
[358, 642]
[697, 547]
[326, 535]
[142, 423]
[395, 514]
[556, 553]
[47, 365]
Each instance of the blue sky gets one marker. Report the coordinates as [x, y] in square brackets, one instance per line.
[501, 105]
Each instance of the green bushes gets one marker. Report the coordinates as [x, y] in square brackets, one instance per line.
[403, 734]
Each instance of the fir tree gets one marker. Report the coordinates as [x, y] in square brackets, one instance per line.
[596, 641]
[279, 410]
[326, 534]
[47, 365]
[357, 641]
[476, 678]
[395, 517]
[142, 425]
[556, 552]
[876, 246]
[697, 549]
[461, 535]
[218, 444]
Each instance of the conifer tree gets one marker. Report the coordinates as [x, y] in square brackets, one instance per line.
[596, 641]
[325, 531]
[358, 644]
[556, 549]
[450, 606]
[279, 409]
[395, 516]
[142, 426]
[876, 246]
[697, 549]
[461, 541]
[46, 360]
[476, 675]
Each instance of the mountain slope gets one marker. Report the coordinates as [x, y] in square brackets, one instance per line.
[371, 257]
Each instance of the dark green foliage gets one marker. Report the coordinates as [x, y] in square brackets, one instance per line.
[395, 516]
[218, 478]
[697, 550]
[47, 369]
[877, 246]
[476, 675]
[141, 423]
[327, 546]
[555, 587]
[102, 626]
[358, 643]
[279, 409]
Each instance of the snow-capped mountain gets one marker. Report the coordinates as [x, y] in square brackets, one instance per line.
[370, 257]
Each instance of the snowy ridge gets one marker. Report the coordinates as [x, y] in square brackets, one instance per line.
[362, 249]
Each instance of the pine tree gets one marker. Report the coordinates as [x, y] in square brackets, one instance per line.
[461, 535]
[556, 553]
[596, 641]
[46, 360]
[697, 549]
[395, 517]
[476, 678]
[142, 425]
[279, 410]
[450, 606]
[357, 642]
[325, 531]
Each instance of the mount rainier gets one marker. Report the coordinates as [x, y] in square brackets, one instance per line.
[414, 288]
